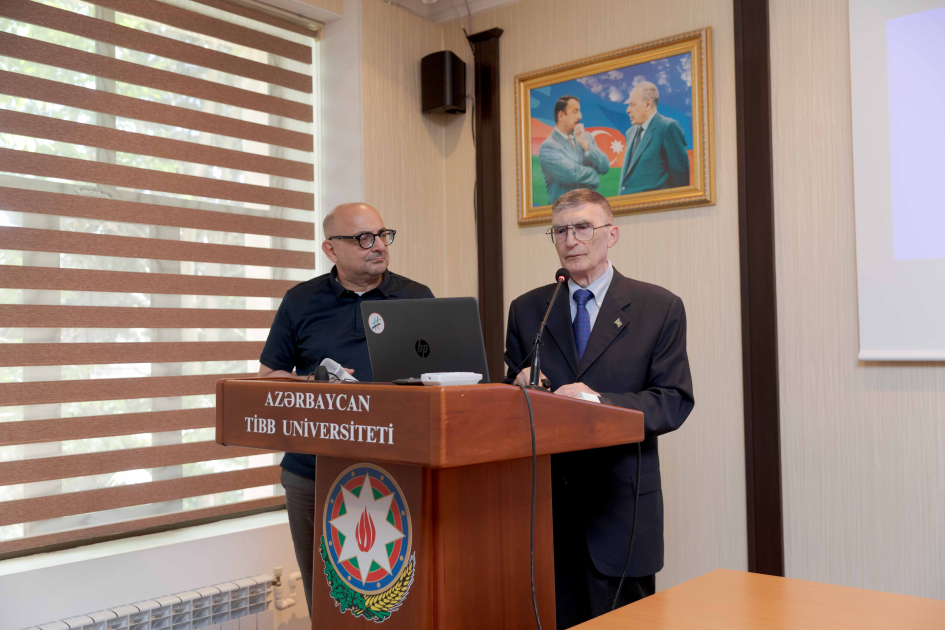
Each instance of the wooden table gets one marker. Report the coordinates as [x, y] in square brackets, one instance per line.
[731, 600]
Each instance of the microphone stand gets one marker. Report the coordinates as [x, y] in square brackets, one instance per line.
[534, 377]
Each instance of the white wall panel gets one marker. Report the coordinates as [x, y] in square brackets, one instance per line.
[43, 588]
[863, 444]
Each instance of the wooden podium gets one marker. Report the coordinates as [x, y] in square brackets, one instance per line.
[429, 486]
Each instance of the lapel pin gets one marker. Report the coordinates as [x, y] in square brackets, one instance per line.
[618, 322]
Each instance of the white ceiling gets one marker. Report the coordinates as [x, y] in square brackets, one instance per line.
[446, 10]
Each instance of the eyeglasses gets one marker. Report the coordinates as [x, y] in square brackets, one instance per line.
[582, 232]
[366, 240]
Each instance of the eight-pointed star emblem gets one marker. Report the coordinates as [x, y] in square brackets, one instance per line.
[366, 529]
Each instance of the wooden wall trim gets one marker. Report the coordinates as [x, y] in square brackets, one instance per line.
[489, 197]
[758, 289]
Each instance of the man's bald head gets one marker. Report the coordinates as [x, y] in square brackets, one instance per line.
[358, 269]
[349, 218]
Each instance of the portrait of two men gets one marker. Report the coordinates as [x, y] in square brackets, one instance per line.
[633, 125]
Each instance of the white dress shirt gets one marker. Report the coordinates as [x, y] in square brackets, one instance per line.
[598, 288]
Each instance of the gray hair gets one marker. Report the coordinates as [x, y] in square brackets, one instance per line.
[649, 91]
[581, 197]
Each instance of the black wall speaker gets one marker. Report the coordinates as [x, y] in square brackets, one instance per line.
[442, 84]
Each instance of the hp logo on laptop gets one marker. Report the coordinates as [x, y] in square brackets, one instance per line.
[422, 348]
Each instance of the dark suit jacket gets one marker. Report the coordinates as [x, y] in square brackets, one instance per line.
[661, 160]
[640, 364]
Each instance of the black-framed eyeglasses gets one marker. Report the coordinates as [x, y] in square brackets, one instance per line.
[582, 232]
[366, 240]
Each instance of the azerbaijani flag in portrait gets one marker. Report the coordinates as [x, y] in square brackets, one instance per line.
[604, 99]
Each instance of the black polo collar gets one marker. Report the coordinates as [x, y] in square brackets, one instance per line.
[339, 290]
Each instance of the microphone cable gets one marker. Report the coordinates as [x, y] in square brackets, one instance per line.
[518, 368]
[633, 528]
[531, 542]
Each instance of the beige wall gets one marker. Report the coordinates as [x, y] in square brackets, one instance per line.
[418, 169]
[863, 444]
[693, 252]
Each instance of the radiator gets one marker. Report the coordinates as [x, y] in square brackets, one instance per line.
[244, 604]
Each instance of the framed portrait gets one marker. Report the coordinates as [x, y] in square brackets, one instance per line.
[634, 124]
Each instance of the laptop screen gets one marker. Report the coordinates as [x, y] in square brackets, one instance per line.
[407, 338]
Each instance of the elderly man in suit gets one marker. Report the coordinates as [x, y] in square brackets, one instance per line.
[623, 342]
[656, 156]
[569, 157]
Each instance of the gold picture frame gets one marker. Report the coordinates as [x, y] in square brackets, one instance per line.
[676, 70]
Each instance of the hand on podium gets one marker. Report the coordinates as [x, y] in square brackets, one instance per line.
[574, 390]
[524, 377]
[571, 390]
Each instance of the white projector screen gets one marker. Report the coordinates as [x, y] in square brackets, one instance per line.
[897, 65]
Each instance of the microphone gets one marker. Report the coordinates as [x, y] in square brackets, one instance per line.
[561, 277]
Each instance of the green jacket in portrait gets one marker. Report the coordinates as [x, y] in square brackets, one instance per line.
[660, 161]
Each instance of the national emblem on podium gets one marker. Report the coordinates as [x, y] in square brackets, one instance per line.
[366, 548]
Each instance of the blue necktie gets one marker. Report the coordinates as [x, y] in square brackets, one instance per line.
[582, 321]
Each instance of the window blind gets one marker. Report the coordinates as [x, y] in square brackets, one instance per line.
[157, 180]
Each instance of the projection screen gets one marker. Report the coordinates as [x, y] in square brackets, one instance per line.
[897, 64]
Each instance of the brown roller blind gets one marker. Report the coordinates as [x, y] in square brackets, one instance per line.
[77, 133]
[157, 199]
[24, 86]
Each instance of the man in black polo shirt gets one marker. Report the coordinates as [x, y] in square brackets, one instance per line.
[321, 319]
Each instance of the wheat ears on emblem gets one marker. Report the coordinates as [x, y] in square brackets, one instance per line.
[372, 607]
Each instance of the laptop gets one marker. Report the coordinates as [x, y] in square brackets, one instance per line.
[407, 338]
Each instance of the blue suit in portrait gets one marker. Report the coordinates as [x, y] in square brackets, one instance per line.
[659, 161]
[567, 167]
